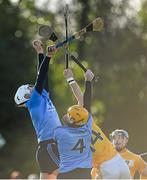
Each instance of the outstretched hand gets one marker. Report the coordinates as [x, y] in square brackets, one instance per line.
[68, 73]
[38, 46]
[51, 50]
[89, 75]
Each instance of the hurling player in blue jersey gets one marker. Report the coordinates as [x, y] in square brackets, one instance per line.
[74, 138]
[43, 113]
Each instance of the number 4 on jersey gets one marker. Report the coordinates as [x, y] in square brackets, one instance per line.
[79, 146]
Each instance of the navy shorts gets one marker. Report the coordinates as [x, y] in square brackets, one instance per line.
[78, 173]
[47, 156]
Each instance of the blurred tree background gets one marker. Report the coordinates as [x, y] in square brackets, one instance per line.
[118, 55]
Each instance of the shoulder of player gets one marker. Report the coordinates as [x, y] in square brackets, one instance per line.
[58, 131]
[59, 128]
[36, 93]
[136, 156]
[35, 98]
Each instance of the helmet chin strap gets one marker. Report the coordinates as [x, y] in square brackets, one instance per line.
[21, 104]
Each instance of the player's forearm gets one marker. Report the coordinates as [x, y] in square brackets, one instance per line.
[87, 96]
[40, 59]
[77, 92]
[42, 75]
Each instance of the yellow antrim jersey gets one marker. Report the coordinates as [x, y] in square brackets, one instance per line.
[101, 147]
[143, 177]
[134, 161]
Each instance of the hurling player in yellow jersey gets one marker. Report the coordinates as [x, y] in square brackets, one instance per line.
[107, 163]
[119, 139]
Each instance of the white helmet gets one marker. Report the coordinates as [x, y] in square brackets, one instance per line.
[121, 132]
[23, 94]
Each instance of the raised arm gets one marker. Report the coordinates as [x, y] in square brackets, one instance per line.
[38, 46]
[82, 100]
[42, 72]
[74, 86]
[88, 92]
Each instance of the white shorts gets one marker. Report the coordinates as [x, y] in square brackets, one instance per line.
[116, 168]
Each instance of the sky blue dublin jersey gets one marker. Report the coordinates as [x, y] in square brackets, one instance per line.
[43, 114]
[74, 146]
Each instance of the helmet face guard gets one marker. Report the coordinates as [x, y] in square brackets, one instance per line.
[78, 115]
[23, 94]
[119, 132]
